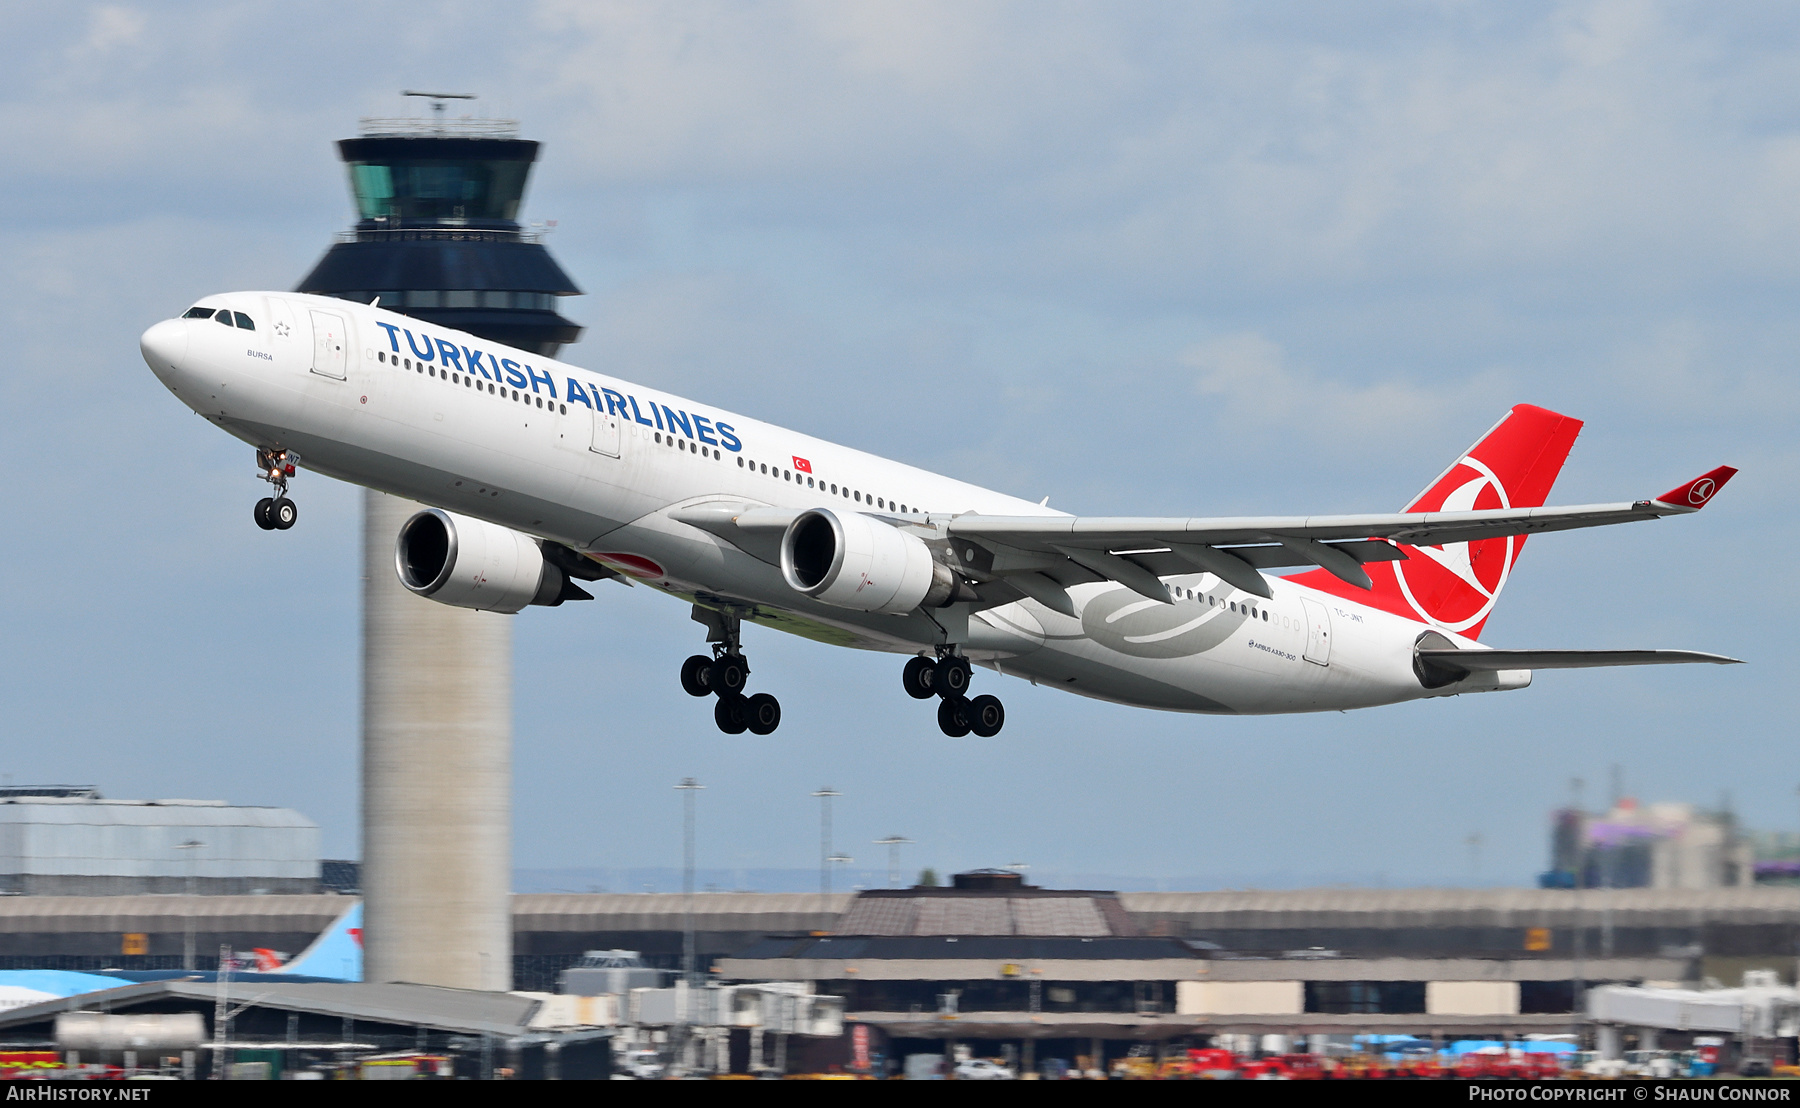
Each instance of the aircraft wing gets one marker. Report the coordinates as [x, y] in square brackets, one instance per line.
[1134, 552]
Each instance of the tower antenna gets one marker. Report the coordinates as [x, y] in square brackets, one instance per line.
[437, 99]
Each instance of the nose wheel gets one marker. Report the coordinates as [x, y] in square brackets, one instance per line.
[947, 678]
[724, 674]
[276, 513]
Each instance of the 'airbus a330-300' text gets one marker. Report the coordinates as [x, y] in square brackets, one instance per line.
[538, 475]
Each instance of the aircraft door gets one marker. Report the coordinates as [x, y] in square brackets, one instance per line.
[330, 344]
[1318, 632]
[606, 431]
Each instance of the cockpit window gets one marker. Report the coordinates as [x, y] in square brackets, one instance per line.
[224, 316]
[198, 313]
[243, 321]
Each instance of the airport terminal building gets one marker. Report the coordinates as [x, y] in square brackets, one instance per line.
[71, 841]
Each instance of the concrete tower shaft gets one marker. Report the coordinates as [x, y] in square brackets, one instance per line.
[436, 778]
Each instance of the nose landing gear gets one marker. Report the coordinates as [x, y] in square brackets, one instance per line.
[724, 674]
[276, 513]
[947, 677]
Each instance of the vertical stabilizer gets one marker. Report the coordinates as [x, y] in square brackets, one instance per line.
[1455, 586]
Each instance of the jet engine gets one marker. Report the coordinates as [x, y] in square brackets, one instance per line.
[851, 560]
[470, 563]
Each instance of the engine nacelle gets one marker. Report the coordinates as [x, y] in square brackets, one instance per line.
[470, 563]
[855, 561]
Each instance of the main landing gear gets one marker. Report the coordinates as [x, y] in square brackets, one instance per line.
[723, 675]
[947, 677]
[276, 513]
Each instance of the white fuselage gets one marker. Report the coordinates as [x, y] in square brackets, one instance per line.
[514, 444]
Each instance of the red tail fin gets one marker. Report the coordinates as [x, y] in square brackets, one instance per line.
[1455, 586]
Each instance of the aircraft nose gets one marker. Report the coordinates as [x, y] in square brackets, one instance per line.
[165, 346]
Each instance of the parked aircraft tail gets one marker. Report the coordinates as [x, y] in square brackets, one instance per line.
[336, 953]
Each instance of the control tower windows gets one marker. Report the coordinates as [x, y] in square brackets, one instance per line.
[413, 189]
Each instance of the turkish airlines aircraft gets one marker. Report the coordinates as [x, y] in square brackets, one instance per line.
[539, 474]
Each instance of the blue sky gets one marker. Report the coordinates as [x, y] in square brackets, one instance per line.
[1195, 258]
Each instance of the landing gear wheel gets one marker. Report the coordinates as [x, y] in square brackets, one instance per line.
[696, 674]
[262, 513]
[732, 714]
[729, 672]
[953, 717]
[953, 674]
[920, 677]
[986, 716]
[283, 513]
[764, 713]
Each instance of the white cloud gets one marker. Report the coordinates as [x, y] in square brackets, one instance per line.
[1259, 389]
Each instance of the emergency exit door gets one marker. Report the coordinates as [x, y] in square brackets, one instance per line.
[606, 432]
[1318, 632]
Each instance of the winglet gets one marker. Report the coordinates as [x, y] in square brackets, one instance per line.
[1693, 496]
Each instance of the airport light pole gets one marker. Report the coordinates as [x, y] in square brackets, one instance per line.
[893, 843]
[825, 794]
[688, 787]
[187, 939]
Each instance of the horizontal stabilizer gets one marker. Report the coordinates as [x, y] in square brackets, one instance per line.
[1491, 660]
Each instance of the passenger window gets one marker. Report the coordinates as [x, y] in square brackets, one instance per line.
[858, 497]
[880, 503]
[834, 490]
[197, 313]
[243, 321]
[809, 482]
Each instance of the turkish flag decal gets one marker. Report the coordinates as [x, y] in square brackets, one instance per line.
[802, 465]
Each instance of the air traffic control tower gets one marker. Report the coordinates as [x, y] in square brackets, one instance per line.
[437, 233]
[437, 237]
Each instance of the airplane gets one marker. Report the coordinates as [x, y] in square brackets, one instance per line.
[334, 955]
[537, 476]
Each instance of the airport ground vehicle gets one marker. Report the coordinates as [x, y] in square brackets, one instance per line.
[981, 1069]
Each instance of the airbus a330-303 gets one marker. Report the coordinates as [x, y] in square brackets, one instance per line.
[539, 476]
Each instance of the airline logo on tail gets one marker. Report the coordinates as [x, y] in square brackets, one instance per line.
[1463, 579]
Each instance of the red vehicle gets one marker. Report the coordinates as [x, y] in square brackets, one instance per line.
[1214, 1065]
[1509, 1067]
[1284, 1067]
